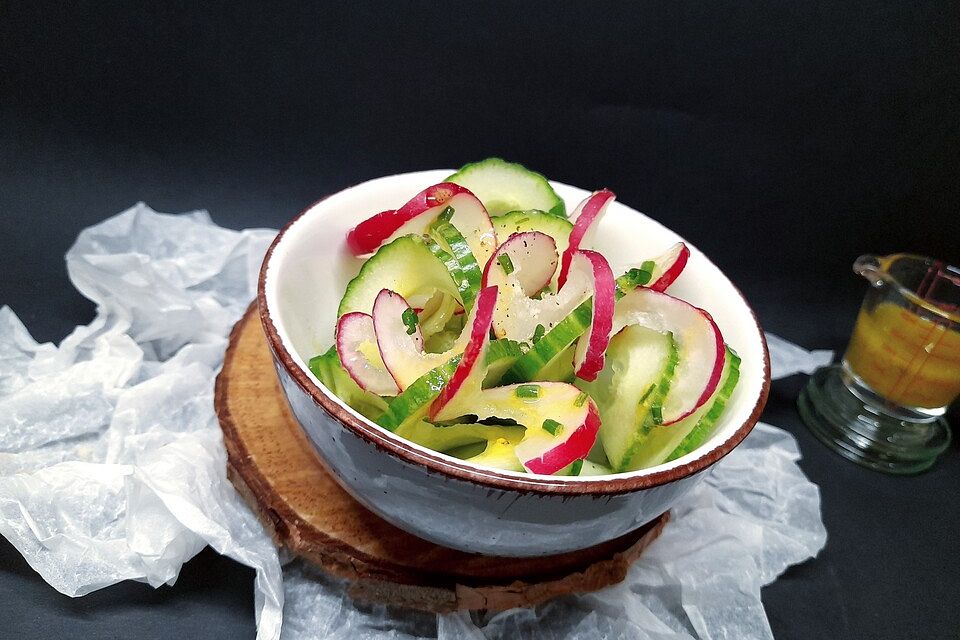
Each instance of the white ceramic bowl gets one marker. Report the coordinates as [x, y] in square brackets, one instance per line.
[446, 500]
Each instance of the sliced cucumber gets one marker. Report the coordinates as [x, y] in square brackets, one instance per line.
[703, 427]
[501, 354]
[444, 439]
[507, 186]
[411, 406]
[664, 440]
[560, 369]
[551, 346]
[331, 373]
[468, 273]
[547, 356]
[534, 220]
[407, 266]
[593, 469]
[437, 314]
[639, 368]
[451, 263]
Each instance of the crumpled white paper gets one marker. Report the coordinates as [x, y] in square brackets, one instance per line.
[112, 465]
[787, 359]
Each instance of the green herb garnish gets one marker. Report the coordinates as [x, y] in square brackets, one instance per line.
[528, 391]
[580, 400]
[656, 412]
[552, 427]
[410, 320]
[646, 394]
[538, 333]
[506, 263]
[577, 467]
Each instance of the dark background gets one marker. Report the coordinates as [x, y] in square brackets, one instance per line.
[783, 139]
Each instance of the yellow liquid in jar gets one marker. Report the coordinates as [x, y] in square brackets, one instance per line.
[908, 360]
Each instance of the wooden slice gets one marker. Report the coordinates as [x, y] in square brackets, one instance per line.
[273, 465]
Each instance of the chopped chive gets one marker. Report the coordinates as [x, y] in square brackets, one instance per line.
[648, 266]
[552, 427]
[576, 468]
[410, 320]
[538, 333]
[639, 276]
[582, 398]
[528, 391]
[446, 215]
[656, 412]
[506, 263]
[646, 394]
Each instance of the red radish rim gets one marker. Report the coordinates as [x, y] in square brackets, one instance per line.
[674, 271]
[580, 441]
[601, 324]
[489, 478]
[590, 210]
[714, 381]
[384, 294]
[368, 235]
[347, 365]
[526, 236]
[479, 337]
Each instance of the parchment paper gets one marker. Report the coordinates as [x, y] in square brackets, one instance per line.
[112, 465]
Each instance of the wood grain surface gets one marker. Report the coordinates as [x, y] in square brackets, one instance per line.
[275, 468]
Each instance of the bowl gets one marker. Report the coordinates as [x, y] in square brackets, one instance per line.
[446, 500]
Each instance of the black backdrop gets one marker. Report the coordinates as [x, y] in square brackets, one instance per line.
[783, 139]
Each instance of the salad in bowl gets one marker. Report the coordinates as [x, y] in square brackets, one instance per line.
[504, 364]
[485, 325]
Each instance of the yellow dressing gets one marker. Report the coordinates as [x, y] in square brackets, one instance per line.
[909, 360]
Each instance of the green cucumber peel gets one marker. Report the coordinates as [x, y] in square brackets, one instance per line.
[451, 263]
[646, 409]
[507, 186]
[708, 421]
[501, 354]
[328, 370]
[413, 403]
[552, 344]
[408, 265]
[468, 274]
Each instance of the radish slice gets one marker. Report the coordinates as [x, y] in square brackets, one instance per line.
[561, 422]
[469, 217]
[401, 342]
[517, 315]
[547, 455]
[468, 374]
[530, 257]
[669, 266]
[585, 217]
[588, 356]
[360, 355]
[699, 340]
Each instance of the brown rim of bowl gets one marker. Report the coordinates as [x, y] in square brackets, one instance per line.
[491, 478]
